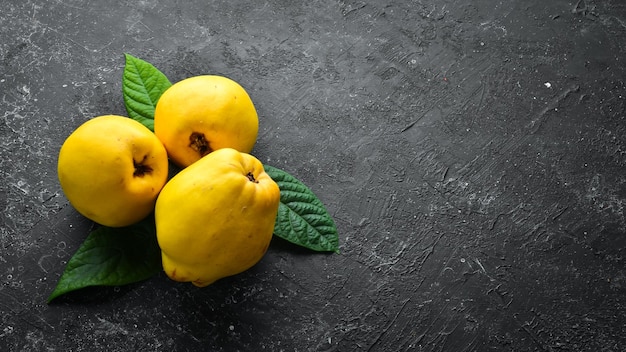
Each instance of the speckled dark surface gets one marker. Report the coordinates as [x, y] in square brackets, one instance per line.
[472, 154]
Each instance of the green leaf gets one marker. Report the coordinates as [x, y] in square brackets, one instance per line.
[142, 86]
[112, 257]
[302, 218]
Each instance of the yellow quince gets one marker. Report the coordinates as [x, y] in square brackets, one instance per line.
[111, 169]
[201, 114]
[216, 217]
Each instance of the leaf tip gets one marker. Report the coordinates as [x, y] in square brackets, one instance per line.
[128, 56]
[52, 296]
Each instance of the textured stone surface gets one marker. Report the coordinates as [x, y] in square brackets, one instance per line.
[472, 153]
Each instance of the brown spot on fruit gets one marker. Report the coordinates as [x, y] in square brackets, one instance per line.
[250, 177]
[141, 168]
[199, 143]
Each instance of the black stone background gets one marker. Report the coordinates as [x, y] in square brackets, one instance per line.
[471, 152]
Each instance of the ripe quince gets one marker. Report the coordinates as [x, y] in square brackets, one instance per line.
[201, 114]
[216, 217]
[111, 169]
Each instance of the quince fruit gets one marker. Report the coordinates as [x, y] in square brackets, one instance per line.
[216, 217]
[201, 114]
[111, 169]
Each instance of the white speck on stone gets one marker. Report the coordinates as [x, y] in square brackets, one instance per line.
[548, 85]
